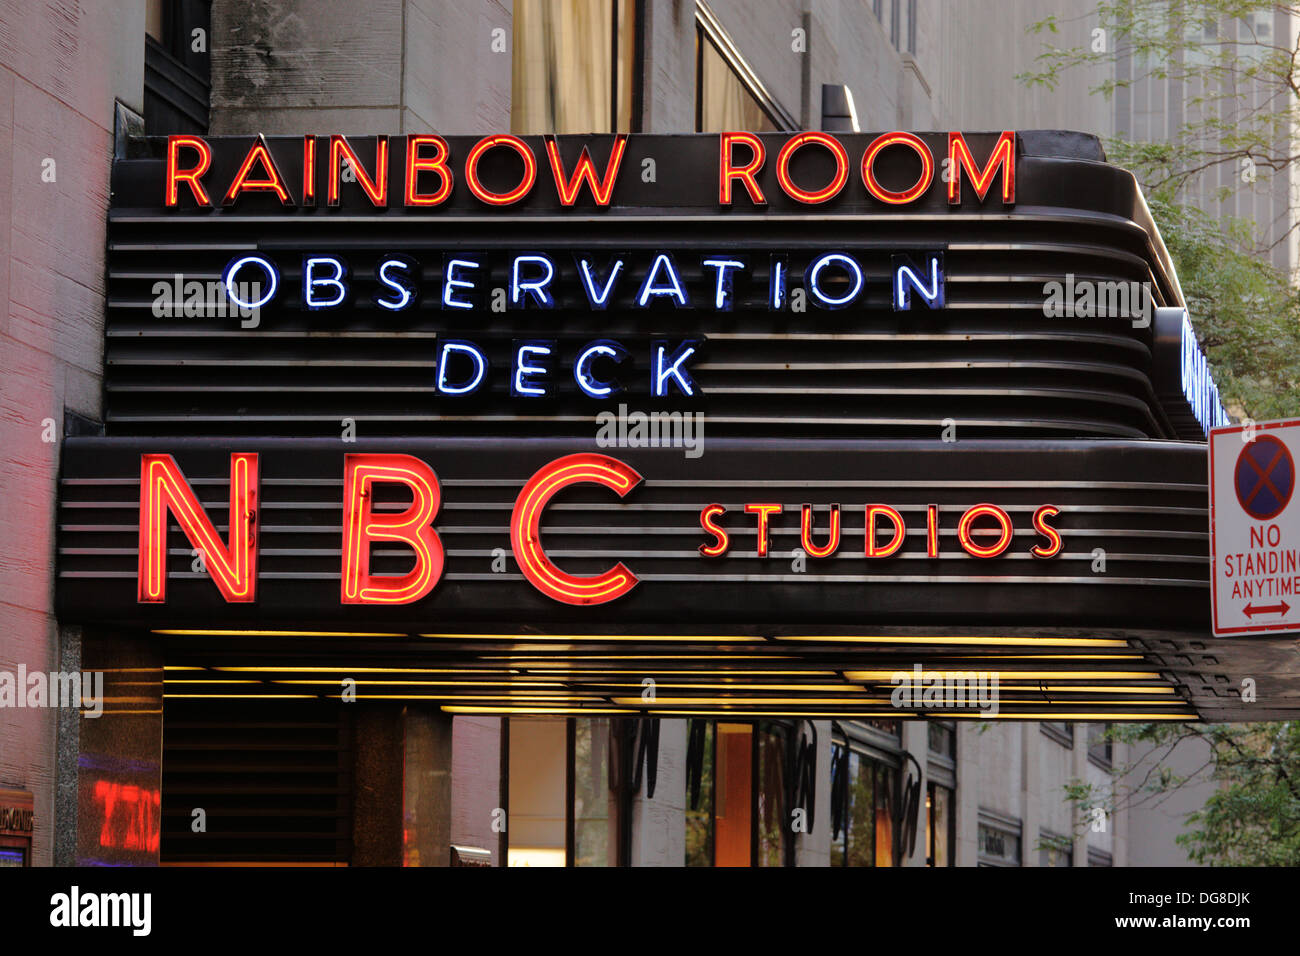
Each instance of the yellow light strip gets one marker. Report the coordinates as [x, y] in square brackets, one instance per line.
[1085, 716]
[651, 638]
[1007, 675]
[732, 701]
[523, 682]
[210, 680]
[243, 696]
[259, 633]
[553, 711]
[345, 669]
[957, 639]
[558, 659]
[1110, 689]
[749, 686]
[540, 698]
[1062, 657]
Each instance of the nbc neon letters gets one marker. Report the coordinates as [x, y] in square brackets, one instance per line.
[983, 531]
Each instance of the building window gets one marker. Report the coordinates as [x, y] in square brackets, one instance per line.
[894, 17]
[911, 27]
[563, 807]
[593, 806]
[941, 828]
[1062, 731]
[942, 736]
[574, 67]
[722, 101]
[536, 835]
[864, 814]
[1099, 858]
[998, 840]
[735, 795]
[1055, 850]
[1099, 745]
[177, 76]
[728, 93]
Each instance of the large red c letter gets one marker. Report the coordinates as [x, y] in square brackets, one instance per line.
[525, 529]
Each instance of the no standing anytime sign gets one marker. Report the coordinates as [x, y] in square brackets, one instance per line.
[1255, 528]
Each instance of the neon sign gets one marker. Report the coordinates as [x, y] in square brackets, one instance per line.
[429, 178]
[1198, 384]
[884, 530]
[233, 569]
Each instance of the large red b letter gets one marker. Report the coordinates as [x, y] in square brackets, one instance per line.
[361, 526]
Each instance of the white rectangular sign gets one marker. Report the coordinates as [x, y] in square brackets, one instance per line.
[1255, 528]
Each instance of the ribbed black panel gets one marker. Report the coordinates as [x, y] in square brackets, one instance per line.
[1152, 530]
[991, 361]
[274, 782]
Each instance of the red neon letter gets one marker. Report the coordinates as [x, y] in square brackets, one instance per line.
[721, 540]
[525, 184]
[907, 195]
[416, 164]
[568, 188]
[968, 542]
[526, 536]
[1054, 542]
[1004, 156]
[377, 188]
[176, 175]
[259, 153]
[831, 189]
[309, 170]
[361, 526]
[727, 171]
[806, 530]
[900, 530]
[163, 488]
[932, 531]
[763, 511]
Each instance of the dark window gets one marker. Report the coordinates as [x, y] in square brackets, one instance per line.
[1099, 858]
[176, 67]
[894, 16]
[1099, 745]
[941, 825]
[998, 840]
[942, 738]
[1062, 731]
[911, 27]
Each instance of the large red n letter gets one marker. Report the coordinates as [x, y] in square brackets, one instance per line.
[361, 526]
[163, 488]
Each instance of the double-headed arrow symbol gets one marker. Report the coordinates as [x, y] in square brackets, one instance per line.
[1250, 610]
